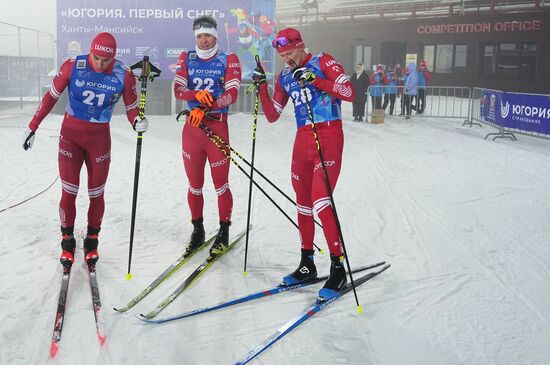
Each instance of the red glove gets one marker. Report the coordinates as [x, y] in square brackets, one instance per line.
[196, 116]
[205, 98]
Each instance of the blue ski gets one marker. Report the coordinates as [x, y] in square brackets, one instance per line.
[261, 294]
[304, 316]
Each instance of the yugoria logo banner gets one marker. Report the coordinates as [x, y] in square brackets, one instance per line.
[525, 112]
[162, 29]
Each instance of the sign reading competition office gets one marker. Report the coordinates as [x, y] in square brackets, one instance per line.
[162, 29]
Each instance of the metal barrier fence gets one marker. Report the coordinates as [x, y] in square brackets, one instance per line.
[430, 101]
[26, 63]
[475, 118]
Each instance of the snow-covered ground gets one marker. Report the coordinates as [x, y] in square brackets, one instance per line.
[463, 221]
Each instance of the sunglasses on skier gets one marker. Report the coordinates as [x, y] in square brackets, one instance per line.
[203, 23]
[280, 42]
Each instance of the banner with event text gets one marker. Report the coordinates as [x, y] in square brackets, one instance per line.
[163, 29]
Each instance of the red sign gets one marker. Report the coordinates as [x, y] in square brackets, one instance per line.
[511, 26]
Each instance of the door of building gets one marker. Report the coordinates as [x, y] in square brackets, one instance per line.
[362, 54]
[393, 53]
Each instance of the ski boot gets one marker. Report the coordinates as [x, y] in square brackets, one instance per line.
[336, 281]
[68, 245]
[221, 243]
[197, 237]
[90, 247]
[305, 271]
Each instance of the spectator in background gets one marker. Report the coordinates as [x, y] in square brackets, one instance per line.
[390, 90]
[360, 81]
[400, 86]
[423, 80]
[411, 84]
[376, 86]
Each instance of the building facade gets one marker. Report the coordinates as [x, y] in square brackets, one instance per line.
[507, 51]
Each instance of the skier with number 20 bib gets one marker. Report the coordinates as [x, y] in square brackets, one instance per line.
[320, 79]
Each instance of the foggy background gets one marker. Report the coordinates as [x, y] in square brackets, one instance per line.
[39, 14]
[36, 14]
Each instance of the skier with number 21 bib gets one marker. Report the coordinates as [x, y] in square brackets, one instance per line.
[95, 83]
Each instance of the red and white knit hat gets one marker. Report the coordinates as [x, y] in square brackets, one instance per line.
[104, 45]
[287, 39]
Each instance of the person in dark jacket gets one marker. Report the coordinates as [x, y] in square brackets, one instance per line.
[360, 81]
[423, 80]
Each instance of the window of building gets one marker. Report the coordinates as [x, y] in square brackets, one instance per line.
[362, 54]
[445, 58]
[460, 58]
[429, 57]
[509, 59]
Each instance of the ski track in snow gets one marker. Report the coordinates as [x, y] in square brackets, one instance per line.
[500, 280]
[462, 220]
[411, 205]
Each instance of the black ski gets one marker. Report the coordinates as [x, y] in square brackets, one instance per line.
[175, 266]
[96, 303]
[60, 315]
[201, 269]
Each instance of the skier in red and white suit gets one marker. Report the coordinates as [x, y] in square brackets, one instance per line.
[326, 85]
[95, 83]
[209, 81]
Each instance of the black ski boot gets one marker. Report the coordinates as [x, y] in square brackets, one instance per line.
[222, 239]
[90, 247]
[337, 279]
[305, 271]
[68, 245]
[197, 237]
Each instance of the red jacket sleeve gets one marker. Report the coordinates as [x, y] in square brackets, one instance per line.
[373, 79]
[232, 83]
[181, 91]
[337, 82]
[427, 77]
[130, 96]
[273, 107]
[59, 83]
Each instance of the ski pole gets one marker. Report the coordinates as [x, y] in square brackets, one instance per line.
[254, 126]
[227, 145]
[148, 73]
[211, 135]
[329, 190]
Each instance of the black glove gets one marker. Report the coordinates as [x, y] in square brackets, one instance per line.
[28, 139]
[303, 74]
[259, 75]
